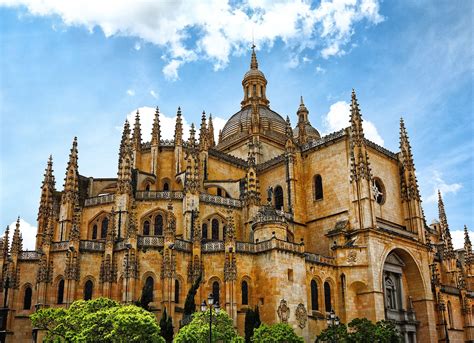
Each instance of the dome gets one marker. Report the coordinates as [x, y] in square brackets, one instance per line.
[241, 122]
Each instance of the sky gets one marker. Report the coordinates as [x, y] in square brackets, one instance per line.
[80, 68]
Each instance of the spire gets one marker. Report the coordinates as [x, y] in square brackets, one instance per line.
[17, 240]
[467, 240]
[137, 133]
[5, 241]
[302, 112]
[71, 182]
[210, 132]
[409, 182]
[405, 147]
[178, 131]
[445, 233]
[253, 60]
[47, 189]
[356, 121]
[124, 174]
[203, 134]
[192, 137]
[156, 129]
[288, 129]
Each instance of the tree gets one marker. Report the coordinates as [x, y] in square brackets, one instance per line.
[189, 304]
[252, 321]
[166, 326]
[97, 320]
[280, 332]
[197, 330]
[147, 296]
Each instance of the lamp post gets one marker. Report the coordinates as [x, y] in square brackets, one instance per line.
[210, 301]
[127, 270]
[333, 322]
[70, 274]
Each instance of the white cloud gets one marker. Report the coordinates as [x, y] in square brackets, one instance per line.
[28, 232]
[137, 46]
[153, 94]
[167, 124]
[130, 92]
[338, 118]
[438, 183]
[215, 29]
[458, 238]
[320, 70]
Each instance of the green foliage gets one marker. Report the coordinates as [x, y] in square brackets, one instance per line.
[197, 331]
[361, 330]
[147, 297]
[97, 320]
[276, 333]
[252, 321]
[166, 326]
[189, 304]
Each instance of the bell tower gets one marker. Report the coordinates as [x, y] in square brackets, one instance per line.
[254, 84]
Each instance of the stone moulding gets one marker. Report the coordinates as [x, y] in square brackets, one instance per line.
[159, 195]
[29, 255]
[92, 246]
[99, 200]
[218, 200]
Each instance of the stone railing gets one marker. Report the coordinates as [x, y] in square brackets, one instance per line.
[319, 258]
[120, 246]
[92, 246]
[323, 140]
[29, 255]
[60, 246]
[214, 246]
[183, 245]
[150, 241]
[245, 247]
[218, 200]
[159, 195]
[99, 200]
[167, 142]
[274, 243]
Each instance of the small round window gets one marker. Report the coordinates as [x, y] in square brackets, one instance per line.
[378, 191]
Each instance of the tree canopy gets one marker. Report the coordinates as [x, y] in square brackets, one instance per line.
[280, 332]
[99, 320]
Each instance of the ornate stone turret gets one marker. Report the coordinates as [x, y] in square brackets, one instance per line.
[254, 84]
[468, 256]
[304, 131]
[251, 194]
[203, 134]
[46, 207]
[4, 243]
[155, 142]
[191, 182]
[178, 131]
[124, 174]
[447, 249]
[361, 175]
[210, 132]
[17, 240]
[409, 186]
[137, 141]
[70, 195]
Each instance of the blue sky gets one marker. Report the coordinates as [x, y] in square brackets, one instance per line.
[80, 68]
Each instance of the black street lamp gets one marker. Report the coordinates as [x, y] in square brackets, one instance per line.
[333, 322]
[210, 301]
[127, 270]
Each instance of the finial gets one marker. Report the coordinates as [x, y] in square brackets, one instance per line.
[253, 61]
[301, 100]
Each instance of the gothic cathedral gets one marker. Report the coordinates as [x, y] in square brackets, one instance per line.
[269, 215]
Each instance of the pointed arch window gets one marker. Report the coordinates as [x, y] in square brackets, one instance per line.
[215, 229]
[215, 292]
[149, 288]
[147, 187]
[158, 225]
[327, 297]
[204, 231]
[318, 187]
[314, 296]
[146, 228]
[61, 291]
[245, 293]
[88, 290]
[27, 298]
[166, 186]
[278, 197]
[94, 231]
[104, 227]
[176, 291]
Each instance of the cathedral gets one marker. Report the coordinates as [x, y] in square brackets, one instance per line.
[269, 215]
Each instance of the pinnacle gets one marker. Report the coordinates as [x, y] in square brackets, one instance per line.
[253, 61]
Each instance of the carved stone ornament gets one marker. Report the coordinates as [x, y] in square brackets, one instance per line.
[283, 311]
[301, 315]
[352, 257]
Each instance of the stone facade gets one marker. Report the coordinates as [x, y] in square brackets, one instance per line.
[271, 215]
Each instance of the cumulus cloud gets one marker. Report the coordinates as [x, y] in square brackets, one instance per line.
[338, 118]
[167, 124]
[458, 238]
[438, 183]
[28, 232]
[214, 30]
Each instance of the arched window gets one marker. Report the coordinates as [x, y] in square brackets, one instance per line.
[450, 316]
[94, 232]
[254, 90]
[215, 292]
[149, 288]
[147, 187]
[146, 228]
[215, 229]
[176, 291]
[327, 297]
[204, 231]
[378, 191]
[314, 296]
[61, 291]
[245, 293]
[166, 186]
[278, 195]
[103, 230]
[27, 298]
[318, 187]
[88, 288]
[158, 225]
